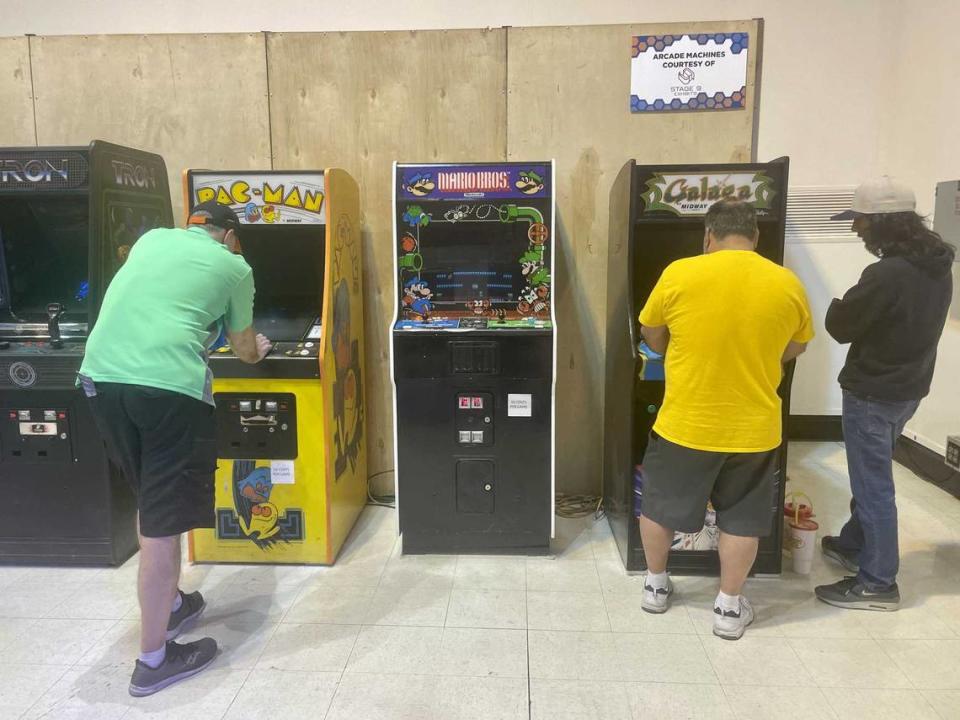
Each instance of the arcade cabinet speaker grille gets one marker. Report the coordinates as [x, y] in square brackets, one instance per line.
[475, 358]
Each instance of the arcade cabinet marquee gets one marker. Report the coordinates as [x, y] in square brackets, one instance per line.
[656, 217]
[290, 430]
[68, 218]
[473, 349]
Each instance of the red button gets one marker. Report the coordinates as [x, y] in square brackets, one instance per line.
[477, 403]
[464, 402]
[62, 416]
[13, 416]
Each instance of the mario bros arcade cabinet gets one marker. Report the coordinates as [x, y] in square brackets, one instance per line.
[292, 474]
[656, 217]
[68, 218]
[473, 349]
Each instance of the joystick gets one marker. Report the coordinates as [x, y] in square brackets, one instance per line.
[54, 313]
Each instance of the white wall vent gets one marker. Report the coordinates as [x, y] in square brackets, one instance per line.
[809, 209]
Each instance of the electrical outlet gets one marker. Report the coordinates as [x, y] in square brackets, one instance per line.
[952, 455]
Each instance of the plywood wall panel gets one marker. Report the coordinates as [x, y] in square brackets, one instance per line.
[16, 115]
[197, 100]
[568, 97]
[362, 100]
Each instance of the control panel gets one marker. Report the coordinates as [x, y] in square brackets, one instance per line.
[256, 426]
[474, 419]
[290, 360]
[35, 435]
[304, 349]
[36, 365]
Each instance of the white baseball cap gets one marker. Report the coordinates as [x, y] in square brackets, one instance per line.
[876, 197]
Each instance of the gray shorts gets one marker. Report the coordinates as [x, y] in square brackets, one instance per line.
[678, 481]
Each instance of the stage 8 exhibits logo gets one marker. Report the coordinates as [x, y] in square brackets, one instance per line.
[693, 194]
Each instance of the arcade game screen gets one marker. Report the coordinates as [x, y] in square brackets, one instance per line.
[287, 262]
[43, 258]
[465, 262]
[474, 265]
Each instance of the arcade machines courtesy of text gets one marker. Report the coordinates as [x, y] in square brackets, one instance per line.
[473, 348]
[292, 473]
[68, 217]
[656, 217]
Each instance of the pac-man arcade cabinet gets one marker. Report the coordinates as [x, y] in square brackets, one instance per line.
[68, 217]
[292, 473]
[473, 349]
[656, 217]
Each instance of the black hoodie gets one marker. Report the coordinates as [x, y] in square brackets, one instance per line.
[893, 319]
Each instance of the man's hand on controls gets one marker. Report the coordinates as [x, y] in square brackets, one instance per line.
[249, 346]
[264, 346]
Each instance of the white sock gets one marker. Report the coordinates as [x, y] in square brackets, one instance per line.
[177, 602]
[154, 659]
[657, 580]
[730, 603]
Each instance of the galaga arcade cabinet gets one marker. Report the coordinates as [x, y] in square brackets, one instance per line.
[473, 347]
[292, 467]
[68, 217]
[656, 217]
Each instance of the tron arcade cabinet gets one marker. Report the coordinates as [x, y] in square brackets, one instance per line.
[656, 217]
[68, 217]
[473, 350]
[292, 474]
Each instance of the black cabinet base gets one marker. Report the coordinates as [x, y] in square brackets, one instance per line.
[474, 543]
[704, 563]
[69, 552]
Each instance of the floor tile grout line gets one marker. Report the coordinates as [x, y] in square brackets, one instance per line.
[68, 668]
[237, 694]
[43, 694]
[446, 613]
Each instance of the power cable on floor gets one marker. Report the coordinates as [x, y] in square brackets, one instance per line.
[388, 500]
[579, 506]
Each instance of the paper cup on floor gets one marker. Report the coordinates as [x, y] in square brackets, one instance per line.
[803, 542]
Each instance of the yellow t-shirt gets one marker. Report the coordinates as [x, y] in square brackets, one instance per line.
[730, 314]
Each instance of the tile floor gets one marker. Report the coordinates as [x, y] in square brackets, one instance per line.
[382, 636]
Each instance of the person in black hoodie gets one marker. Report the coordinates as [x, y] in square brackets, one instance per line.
[892, 318]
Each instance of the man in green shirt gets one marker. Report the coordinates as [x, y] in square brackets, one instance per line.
[145, 374]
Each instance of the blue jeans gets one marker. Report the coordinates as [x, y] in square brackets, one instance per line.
[870, 430]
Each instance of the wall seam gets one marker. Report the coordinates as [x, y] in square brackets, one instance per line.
[33, 91]
[266, 64]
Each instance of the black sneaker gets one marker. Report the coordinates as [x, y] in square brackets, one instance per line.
[851, 593]
[181, 662]
[191, 608]
[830, 545]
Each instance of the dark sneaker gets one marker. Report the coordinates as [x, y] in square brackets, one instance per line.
[656, 600]
[732, 624]
[830, 545]
[190, 609]
[851, 593]
[181, 662]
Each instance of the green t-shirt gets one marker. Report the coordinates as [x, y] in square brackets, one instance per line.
[164, 309]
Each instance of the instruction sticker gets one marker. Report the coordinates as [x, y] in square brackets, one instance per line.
[281, 472]
[519, 405]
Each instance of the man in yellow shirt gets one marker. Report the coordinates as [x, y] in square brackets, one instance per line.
[726, 320]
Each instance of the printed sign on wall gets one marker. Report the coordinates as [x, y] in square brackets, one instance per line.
[689, 72]
[270, 198]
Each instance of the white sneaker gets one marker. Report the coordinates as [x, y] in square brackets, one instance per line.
[730, 625]
[656, 600]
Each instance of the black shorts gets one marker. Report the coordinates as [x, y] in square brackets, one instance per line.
[678, 481]
[165, 445]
